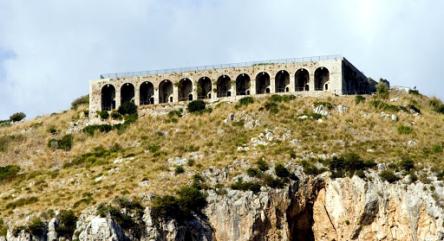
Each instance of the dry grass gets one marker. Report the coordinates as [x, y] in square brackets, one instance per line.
[147, 145]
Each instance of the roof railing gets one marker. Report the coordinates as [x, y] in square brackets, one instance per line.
[219, 66]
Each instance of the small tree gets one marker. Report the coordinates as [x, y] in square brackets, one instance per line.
[17, 116]
[382, 89]
[196, 106]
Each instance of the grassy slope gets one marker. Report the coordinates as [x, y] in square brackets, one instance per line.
[147, 145]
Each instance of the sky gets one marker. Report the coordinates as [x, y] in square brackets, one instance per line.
[51, 49]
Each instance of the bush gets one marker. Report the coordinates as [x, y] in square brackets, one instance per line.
[389, 176]
[405, 130]
[414, 108]
[83, 100]
[381, 105]
[252, 172]
[90, 130]
[104, 115]
[196, 106]
[272, 182]
[262, 165]
[246, 186]
[359, 99]
[21, 202]
[67, 224]
[407, 164]
[382, 90]
[272, 107]
[189, 200]
[437, 149]
[179, 170]
[414, 92]
[349, 164]
[436, 105]
[246, 100]
[8, 172]
[64, 144]
[282, 98]
[127, 108]
[281, 171]
[3, 228]
[311, 169]
[38, 228]
[116, 115]
[17, 117]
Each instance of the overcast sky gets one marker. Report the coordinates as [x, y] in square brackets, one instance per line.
[51, 49]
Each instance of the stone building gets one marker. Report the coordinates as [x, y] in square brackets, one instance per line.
[314, 76]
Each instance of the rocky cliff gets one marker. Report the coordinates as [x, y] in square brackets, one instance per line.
[311, 208]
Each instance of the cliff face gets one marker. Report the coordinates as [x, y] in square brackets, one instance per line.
[318, 208]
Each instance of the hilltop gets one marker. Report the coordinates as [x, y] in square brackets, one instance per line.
[53, 163]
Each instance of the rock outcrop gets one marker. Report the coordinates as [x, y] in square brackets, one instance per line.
[312, 208]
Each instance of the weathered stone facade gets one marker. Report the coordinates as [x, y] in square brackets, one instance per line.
[308, 76]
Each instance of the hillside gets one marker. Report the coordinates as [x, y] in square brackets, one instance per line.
[166, 147]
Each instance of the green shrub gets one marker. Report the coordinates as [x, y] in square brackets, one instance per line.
[3, 228]
[83, 100]
[311, 169]
[281, 98]
[17, 117]
[262, 165]
[349, 164]
[196, 106]
[98, 156]
[179, 170]
[272, 107]
[104, 115]
[382, 90]
[38, 228]
[65, 143]
[8, 172]
[327, 105]
[407, 164]
[405, 130]
[127, 108]
[175, 113]
[252, 172]
[281, 171]
[189, 200]
[389, 176]
[437, 148]
[414, 92]
[359, 99]
[246, 101]
[436, 105]
[52, 130]
[272, 182]
[5, 123]
[381, 105]
[255, 187]
[124, 219]
[67, 224]
[414, 108]
[116, 115]
[21, 202]
[90, 130]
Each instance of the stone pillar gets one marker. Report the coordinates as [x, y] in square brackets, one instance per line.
[175, 93]
[137, 95]
[213, 90]
[118, 100]
[156, 96]
[292, 82]
[252, 85]
[311, 82]
[194, 89]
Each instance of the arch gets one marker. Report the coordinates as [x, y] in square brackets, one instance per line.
[301, 79]
[108, 94]
[243, 84]
[126, 93]
[223, 86]
[322, 76]
[185, 89]
[165, 91]
[146, 93]
[262, 83]
[204, 88]
[282, 80]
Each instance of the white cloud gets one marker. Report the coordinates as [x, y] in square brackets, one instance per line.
[59, 46]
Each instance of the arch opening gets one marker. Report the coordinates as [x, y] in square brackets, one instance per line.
[165, 91]
[108, 97]
[322, 76]
[282, 80]
[146, 93]
[223, 86]
[204, 88]
[127, 93]
[302, 78]
[262, 83]
[185, 90]
[243, 84]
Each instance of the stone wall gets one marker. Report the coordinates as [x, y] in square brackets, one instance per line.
[334, 85]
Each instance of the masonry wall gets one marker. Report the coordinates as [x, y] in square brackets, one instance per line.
[335, 82]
